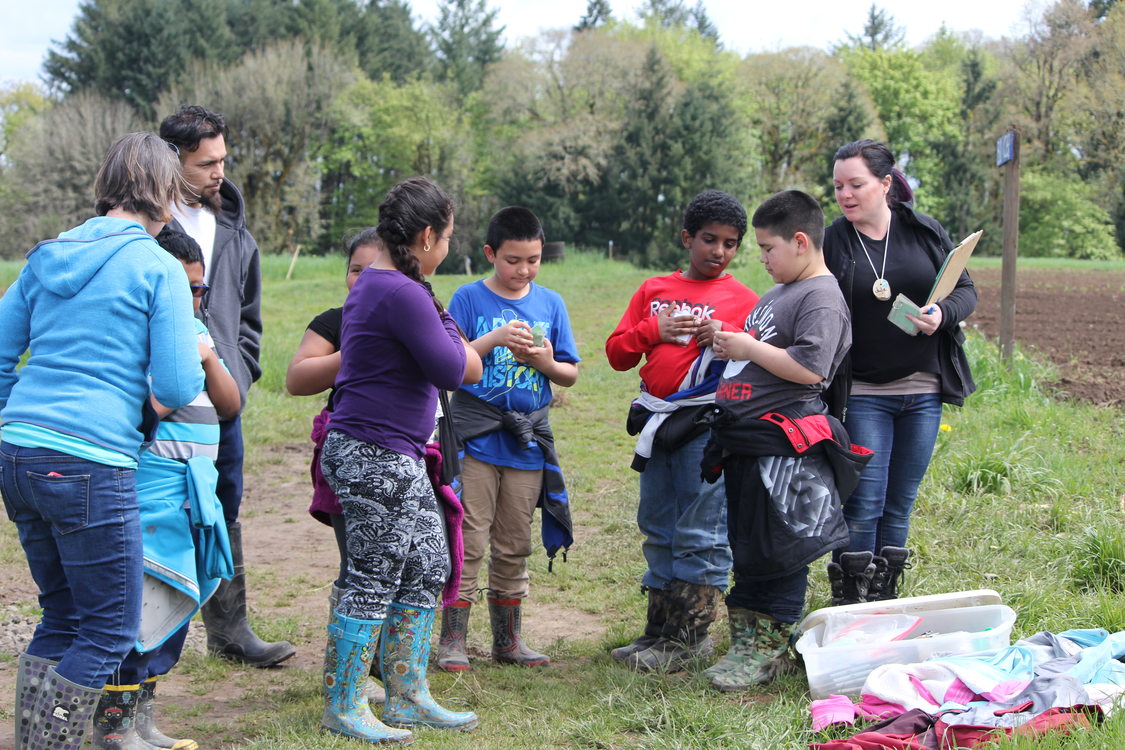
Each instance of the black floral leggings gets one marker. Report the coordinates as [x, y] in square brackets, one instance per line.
[396, 542]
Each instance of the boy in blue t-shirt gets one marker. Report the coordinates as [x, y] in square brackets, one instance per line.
[522, 333]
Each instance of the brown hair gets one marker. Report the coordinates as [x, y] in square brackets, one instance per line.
[881, 162]
[141, 174]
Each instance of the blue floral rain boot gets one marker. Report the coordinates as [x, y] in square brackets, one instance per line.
[372, 689]
[406, 654]
[347, 665]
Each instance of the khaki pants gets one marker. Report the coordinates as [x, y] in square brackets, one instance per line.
[499, 503]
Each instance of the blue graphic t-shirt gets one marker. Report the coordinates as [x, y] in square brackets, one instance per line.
[506, 383]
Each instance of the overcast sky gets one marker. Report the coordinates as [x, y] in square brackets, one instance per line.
[28, 28]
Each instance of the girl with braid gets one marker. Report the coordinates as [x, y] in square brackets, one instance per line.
[398, 346]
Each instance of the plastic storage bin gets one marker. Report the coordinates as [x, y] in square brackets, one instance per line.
[950, 624]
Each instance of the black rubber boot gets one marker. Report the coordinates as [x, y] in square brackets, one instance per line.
[228, 633]
[508, 646]
[654, 625]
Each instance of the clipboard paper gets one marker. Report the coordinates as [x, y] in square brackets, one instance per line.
[945, 282]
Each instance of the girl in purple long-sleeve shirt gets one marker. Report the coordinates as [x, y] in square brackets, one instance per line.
[398, 346]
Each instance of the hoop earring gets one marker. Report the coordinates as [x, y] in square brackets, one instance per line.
[426, 249]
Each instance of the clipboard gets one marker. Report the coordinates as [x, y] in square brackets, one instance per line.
[945, 282]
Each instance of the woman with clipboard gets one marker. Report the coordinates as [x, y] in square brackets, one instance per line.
[891, 388]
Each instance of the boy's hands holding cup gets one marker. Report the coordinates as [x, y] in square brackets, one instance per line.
[676, 327]
[516, 335]
[540, 357]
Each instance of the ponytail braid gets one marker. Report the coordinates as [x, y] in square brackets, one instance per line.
[410, 207]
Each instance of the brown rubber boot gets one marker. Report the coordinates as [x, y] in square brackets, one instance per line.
[453, 648]
[507, 646]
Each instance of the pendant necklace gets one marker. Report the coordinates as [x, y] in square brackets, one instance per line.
[881, 288]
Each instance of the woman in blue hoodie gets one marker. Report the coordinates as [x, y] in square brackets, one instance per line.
[106, 316]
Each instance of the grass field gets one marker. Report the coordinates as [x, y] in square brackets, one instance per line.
[1024, 496]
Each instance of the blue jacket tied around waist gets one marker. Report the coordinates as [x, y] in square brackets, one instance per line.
[186, 553]
[473, 416]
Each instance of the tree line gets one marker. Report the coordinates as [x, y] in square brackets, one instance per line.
[605, 129]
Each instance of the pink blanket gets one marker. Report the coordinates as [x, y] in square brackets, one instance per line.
[454, 515]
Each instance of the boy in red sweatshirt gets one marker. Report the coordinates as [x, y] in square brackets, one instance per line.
[671, 322]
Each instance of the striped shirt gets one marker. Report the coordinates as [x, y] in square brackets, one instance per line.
[191, 430]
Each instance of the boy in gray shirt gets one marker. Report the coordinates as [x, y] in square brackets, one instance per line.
[788, 465]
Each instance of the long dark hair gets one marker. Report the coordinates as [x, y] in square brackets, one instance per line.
[881, 162]
[411, 206]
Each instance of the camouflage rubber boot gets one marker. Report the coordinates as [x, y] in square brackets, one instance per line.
[654, 625]
[743, 630]
[684, 642]
[890, 564]
[761, 660]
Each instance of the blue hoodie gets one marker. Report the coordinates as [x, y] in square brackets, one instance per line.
[101, 308]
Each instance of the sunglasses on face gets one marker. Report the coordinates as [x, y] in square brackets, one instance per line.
[198, 290]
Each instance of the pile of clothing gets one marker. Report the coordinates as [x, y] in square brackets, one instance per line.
[1044, 683]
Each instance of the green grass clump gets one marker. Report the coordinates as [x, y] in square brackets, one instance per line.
[999, 468]
[1099, 559]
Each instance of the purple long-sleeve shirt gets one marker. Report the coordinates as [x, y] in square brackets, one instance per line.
[395, 352]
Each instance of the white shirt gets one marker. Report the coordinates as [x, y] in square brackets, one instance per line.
[199, 224]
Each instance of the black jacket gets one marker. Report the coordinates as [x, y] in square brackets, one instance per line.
[776, 530]
[840, 250]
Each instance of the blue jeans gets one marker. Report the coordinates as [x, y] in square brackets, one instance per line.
[229, 465]
[782, 598]
[902, 431]
[138, 667]
[80, 529]
[683, 519]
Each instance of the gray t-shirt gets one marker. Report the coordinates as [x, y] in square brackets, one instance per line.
[809, 320]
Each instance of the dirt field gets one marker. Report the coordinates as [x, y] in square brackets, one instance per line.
[1067, 316]
[1070, 317]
